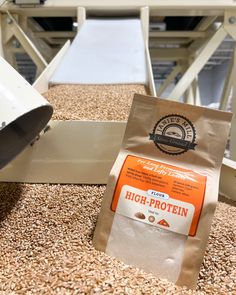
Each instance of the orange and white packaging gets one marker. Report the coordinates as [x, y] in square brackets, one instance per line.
[163, 188]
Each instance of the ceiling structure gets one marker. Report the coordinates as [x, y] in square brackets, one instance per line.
[55, 31]
[172, 29]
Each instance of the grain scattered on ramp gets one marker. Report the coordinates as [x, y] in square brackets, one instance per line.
[92, 102]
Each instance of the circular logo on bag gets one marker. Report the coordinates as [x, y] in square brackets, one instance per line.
[174, 135]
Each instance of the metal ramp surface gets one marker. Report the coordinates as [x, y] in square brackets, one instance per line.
[105, 52]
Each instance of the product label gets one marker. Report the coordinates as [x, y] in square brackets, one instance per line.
[174, 135]
[159, 194]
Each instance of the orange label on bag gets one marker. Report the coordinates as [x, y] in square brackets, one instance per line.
[160, 194]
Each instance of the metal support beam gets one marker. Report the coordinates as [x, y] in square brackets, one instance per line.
[81, 17]
[196, 92]
[228, 179]
[41, 84]
[228, 83]
[179, 34]
[41, 45]
[205, 23]
[1, 41]
[6, 33]
[233, 127]
[54, 34]
[188, 95]
[10, 56]
[230, 23]
[26, 43]
[144, 16]
[230, 27]
[198, 63]
[180, 41]
[233, 106]
[168, 53]
[7, 39]
[176, 70]
[179, 5]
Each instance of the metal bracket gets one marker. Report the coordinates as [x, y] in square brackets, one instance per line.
[26, 43]
[230, 23]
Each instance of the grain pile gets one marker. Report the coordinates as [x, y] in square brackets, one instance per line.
[46, 248]
[93, 102]
[46, 230]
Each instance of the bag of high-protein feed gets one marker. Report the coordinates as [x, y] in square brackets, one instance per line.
[163, 188]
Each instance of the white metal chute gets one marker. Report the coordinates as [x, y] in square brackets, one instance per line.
[96, 57]
[23, 113]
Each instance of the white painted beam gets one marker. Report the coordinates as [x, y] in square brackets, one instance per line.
[198, 64]
[176, 70]
[233, 126]
[228, 179]
[81, 17]
[1, 41]
[167, 4]
[54, 34]
[144, 17]
[230, 23]
[188, 95]
[41, 84]
[41, 45]
[205, 23]
[169, 53]
[196, 92]
[178, 34]
[233, 132]
[26, 43]
[227, 84]
[157, 7]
